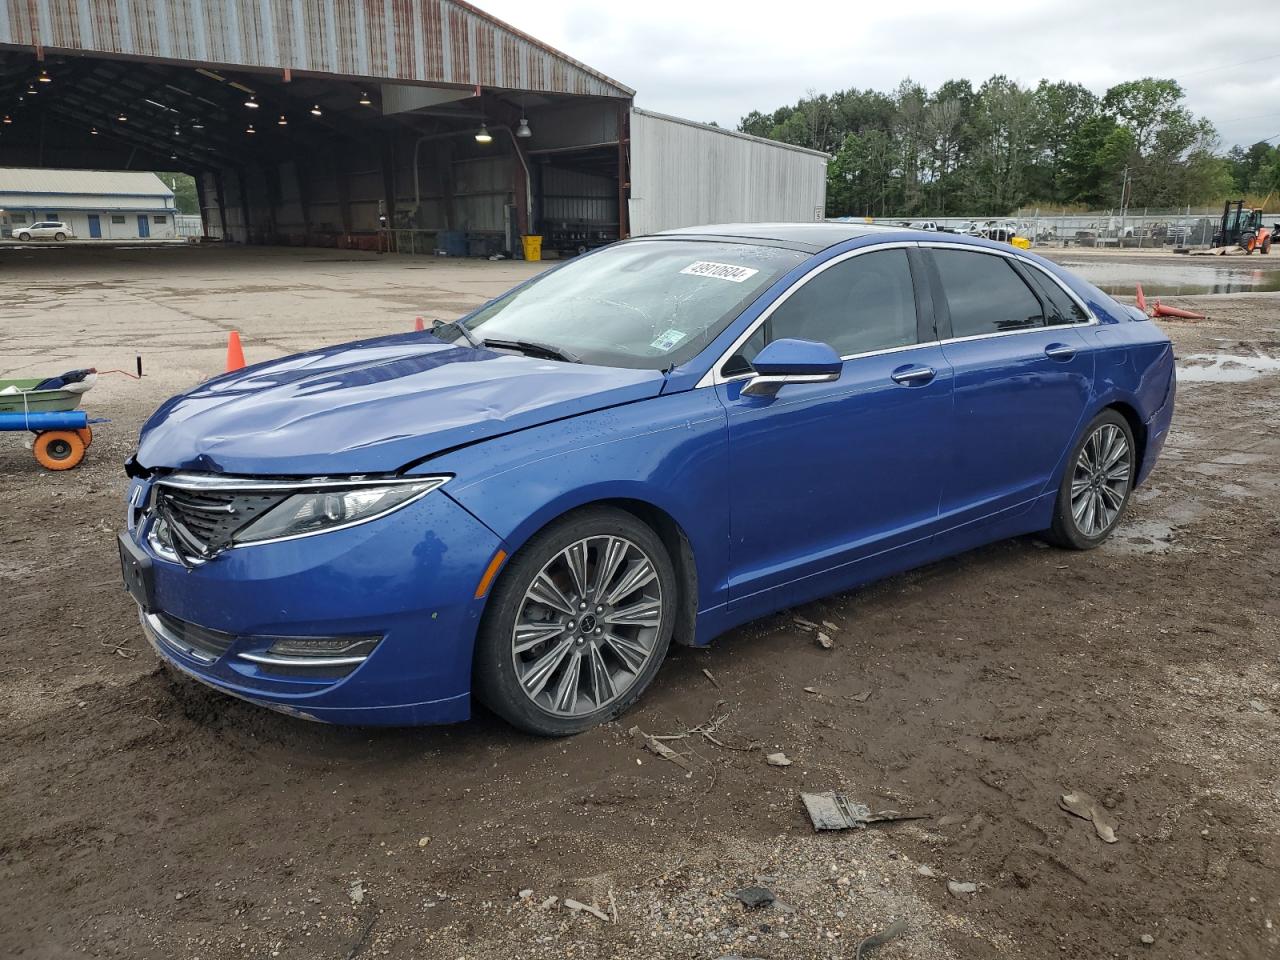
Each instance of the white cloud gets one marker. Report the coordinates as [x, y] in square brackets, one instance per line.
[717, 60]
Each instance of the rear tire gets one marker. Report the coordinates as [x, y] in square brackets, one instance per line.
[556, 669]
[1096, 484]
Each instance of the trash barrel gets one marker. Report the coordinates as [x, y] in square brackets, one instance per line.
[532, 247]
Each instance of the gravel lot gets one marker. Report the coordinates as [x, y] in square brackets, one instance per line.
[142, 816]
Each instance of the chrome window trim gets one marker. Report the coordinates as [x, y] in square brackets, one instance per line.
[713, 376]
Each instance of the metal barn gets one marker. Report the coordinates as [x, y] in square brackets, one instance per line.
[417, 125]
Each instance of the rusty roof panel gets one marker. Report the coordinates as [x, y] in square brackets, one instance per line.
[425, 41]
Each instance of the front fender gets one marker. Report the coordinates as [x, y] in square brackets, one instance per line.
[669, 452]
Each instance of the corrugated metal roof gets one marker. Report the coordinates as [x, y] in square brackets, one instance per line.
[95, 182]
[428, 41]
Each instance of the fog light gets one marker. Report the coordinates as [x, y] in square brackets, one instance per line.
[324, 646]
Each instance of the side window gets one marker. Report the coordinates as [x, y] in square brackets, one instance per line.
[1059, 307]
[159, 219]
[117, 218]
[859, 305]
[985, 294]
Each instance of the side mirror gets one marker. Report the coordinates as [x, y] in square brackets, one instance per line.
[792, 361]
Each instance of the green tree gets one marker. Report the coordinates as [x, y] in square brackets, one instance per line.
[183, 186]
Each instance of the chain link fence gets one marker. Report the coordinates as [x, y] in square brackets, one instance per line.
[1188, 227]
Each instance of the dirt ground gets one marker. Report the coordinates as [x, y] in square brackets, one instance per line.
[143, 816]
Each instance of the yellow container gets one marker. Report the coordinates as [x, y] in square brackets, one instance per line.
[532, 247]
[1022, 243]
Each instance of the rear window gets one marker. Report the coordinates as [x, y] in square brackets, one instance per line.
[649, 304]
[985, 294]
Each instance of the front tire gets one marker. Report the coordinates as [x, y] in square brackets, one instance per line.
[59, 237]
[1096, 484]
[24, 237]
[578, 624]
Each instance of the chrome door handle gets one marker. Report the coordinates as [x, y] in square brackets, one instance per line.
[1059, 351]
[910, 375]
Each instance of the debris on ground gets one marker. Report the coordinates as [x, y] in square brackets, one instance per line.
[660, 749]
[835, 811]
[861, 697]
[356, 892]
[804, 624]
[1086, 808]
[578, 907]
[958, 889]
[1258, 706]
[891, 932]
[525, 894]
[753, 898]
[548, 903]
[778, 760]
[824, 641]
[1147, 939]
[707, 673]
[423, 841]
[830, 626]
[927, 871]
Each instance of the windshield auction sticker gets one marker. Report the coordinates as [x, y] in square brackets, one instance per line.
[721, 271]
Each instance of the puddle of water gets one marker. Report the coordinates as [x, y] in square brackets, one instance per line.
[1225, 368]
[1198, 276]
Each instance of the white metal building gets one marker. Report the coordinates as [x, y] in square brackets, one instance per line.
[685, 173]
[97, 204]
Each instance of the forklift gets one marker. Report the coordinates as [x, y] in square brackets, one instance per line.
[1242, 227]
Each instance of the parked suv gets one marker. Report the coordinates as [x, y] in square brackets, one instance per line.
[44, 230]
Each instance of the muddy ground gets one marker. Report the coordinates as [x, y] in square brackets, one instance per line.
[143, 816]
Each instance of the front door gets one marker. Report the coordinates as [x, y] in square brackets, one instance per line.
[95, 226]
[827, 476]
[1023, 378]
[144, 225]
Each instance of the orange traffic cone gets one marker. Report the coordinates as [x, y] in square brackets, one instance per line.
[418, 324]
[235, 353]
[1142, 301]
[1162, 311]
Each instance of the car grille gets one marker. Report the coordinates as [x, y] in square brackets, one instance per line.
[201, 642]
[202, 522]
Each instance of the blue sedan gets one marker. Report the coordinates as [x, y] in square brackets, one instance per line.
[649, 444]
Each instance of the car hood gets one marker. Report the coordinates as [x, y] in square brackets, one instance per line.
[372, 407]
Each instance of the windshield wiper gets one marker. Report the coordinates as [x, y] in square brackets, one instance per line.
[462, 328]
[533, 348]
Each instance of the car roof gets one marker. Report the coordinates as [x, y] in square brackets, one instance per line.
[810, 237]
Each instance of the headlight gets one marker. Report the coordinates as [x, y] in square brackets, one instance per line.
[333, 507]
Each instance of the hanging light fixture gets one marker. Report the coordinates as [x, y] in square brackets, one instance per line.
[316, 111]
[31, 90]
[250, 129]
[177, 131]
[483, 135]
[121, 117]
[7, 119]
[252, 102]
[282, 122]
[44, 77]
[364, 99]
[197, 125]
[93, 131]
[523, 129]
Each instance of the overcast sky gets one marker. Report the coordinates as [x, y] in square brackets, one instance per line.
[716, 60]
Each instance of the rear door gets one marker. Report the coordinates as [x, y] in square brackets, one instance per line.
[827, 475]
[1023, 379]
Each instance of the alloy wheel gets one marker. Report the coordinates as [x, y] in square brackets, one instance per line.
[587, 626]
[1100, 481]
